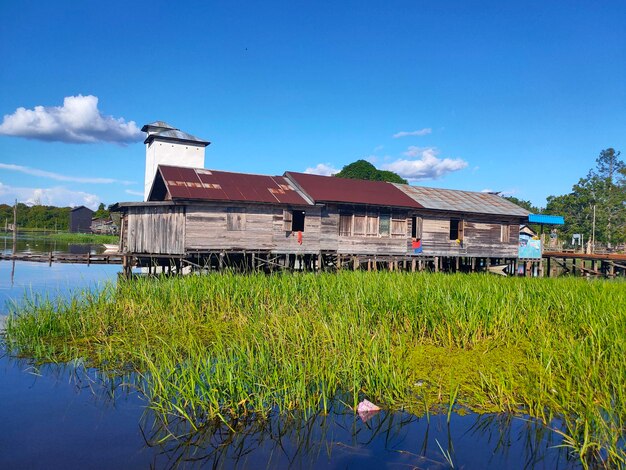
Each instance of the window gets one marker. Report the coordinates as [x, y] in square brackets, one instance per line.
[293, 221]
[416, 227]
[372, 225]
[345, 225]
[384, 225]
[298, 221]
[505, 233]
[398, 227]
[358, 228]
[456, 229]
[235, 219]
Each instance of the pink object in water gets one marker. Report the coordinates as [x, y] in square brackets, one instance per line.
[366, 409]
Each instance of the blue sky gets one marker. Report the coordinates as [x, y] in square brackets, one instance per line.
[517, 97]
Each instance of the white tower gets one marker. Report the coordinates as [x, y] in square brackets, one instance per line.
[166, 145]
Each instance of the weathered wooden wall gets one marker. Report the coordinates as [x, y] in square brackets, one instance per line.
[331, 240]
[287, 241]
[156, 230]
[249, 227]
[481, 236]
[212, 227]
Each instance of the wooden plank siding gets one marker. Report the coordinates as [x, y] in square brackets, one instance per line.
[481, 236]
[249, 227]
[156, 230]
[331, 240]
[373, 231]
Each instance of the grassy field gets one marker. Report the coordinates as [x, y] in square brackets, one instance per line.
[223, 346]
[86, 238]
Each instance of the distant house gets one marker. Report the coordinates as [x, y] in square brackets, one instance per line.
[80, 219]
[104, 225]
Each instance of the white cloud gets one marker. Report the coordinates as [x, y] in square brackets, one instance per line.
[420, 132]
[59, 177]
[324, 169]
[57, 196]
[77, 121]
[134, 193]
[423, 163]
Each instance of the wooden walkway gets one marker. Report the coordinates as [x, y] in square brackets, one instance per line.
[103, 258]
[585, 264]
[556, 262]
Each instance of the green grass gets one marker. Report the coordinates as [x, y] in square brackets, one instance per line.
[224, 346]
[82, 238]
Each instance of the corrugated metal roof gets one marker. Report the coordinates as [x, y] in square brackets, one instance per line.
[461, 201]
[546, 219]
[209, 185]
[351, 191]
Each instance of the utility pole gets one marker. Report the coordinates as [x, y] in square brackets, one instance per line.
[14, 227]
[593, 231]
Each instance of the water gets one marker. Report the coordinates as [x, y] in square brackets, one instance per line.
[63, 416]
[29, 244]
[20, 278]
[66, 416]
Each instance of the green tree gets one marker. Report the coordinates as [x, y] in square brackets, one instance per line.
[36, 217]
[102, 212]
[364, 170]
[603, 190]
[523, 203]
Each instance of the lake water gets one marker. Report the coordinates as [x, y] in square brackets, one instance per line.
[29, 243]
[63, 416]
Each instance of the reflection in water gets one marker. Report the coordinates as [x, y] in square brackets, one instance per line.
[27, 243]
[340, 440]
[127, 434]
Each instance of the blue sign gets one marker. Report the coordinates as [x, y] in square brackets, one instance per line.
[529, 247]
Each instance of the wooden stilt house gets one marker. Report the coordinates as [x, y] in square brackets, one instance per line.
[197, 211]
[205, 214]
[205, 217]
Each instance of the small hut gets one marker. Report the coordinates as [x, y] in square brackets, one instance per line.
[80, 219]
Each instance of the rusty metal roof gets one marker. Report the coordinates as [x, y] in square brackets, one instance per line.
[351, 191]
[461, 201]
[209, 185]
